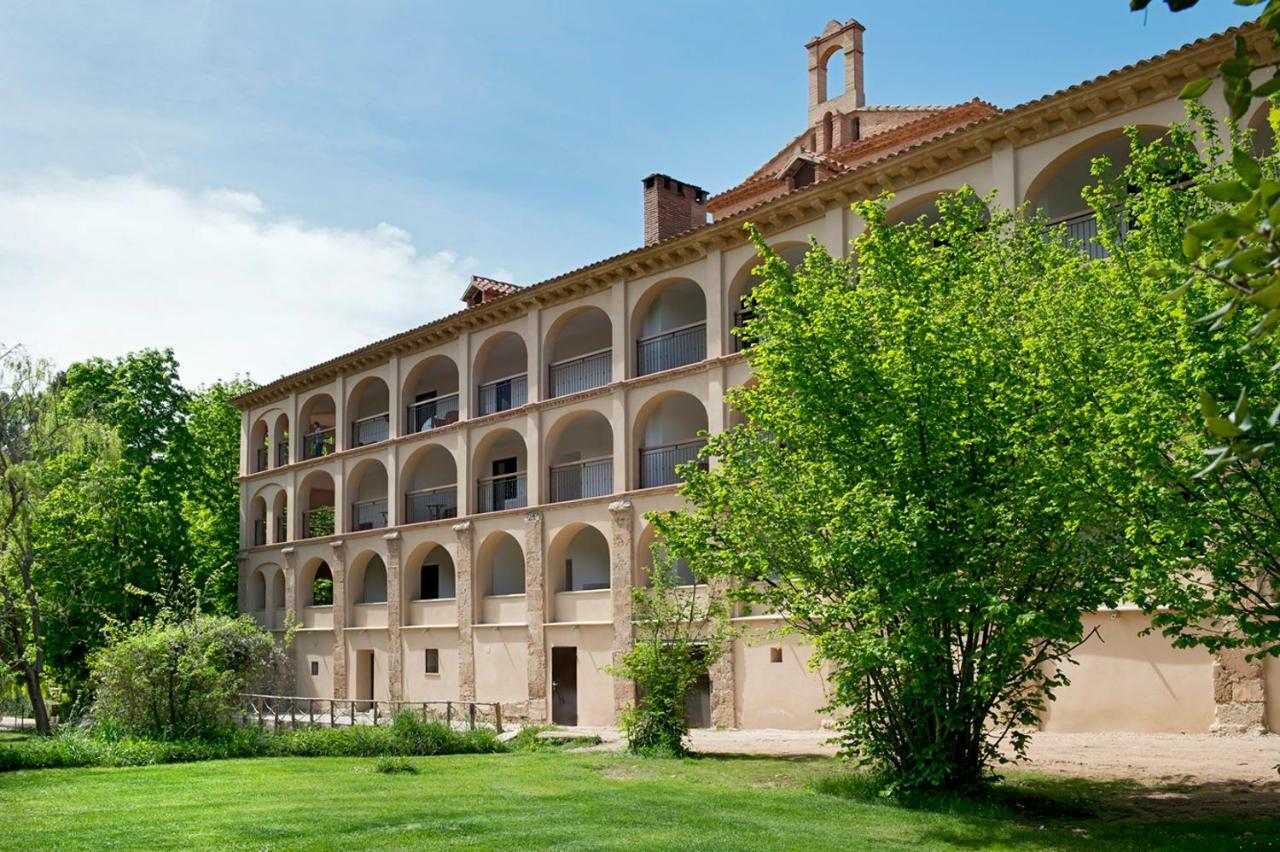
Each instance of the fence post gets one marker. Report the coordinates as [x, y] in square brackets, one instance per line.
[497, 716]
[472, 708]
[448, 713]
[332, 724]
[375, 714]
[311, 711]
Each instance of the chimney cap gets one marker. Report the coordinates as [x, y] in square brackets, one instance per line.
[668, 182]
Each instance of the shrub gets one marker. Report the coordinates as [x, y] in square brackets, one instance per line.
[395, 766]
[179, 680]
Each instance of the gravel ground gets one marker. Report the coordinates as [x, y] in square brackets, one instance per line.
[1165, 759]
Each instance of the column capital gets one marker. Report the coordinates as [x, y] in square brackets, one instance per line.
[618, 507]
[463, 527]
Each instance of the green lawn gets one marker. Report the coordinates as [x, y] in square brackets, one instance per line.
[589, 801]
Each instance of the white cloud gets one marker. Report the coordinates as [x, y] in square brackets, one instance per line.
[105, 266]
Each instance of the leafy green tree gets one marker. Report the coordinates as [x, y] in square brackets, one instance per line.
[212, 502]
[680, 631]
[917, 488]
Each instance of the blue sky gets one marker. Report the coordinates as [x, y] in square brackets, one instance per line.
[265, 185]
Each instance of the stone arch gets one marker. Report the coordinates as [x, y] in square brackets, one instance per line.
[368, 412]
[280, 440]
[501, 373]
[578, 351]
[429, 573]
[257, 591]
[1263, 141]
[668, 433]
[367, 579]
[669, 326]
[738, 309]
[280, 511]
[429, 480]
[833, 64]
[646, 545]
[278, 597]
[317, 425]
[316, 571]
[578, 450]
[258, 519]
[367, 492]
[1056, 189]
[430, 394]
[315, 501]
[500, 465]
[259, 449]
[578, 560]
[500, 566]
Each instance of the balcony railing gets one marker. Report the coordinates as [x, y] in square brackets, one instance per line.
[370, 430]
[671, 349]
[579, 374]
[740, 319]
[1083, 228]
[259, 533]
[318, 443]
[369, 515]
[433, 413]
[431, 504]
[496, 493]
[282, 453]
[576, 481]
[318, 522]
[503, 395]
[282, 528]
[658, 464]
[260, 459]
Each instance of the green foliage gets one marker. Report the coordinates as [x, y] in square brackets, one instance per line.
[180, 680]
[679, 632]
[105, 745]
[395, 766]
[916, 490]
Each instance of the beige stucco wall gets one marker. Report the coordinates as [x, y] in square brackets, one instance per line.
[1271, 682]
[501, 655]
[775, 695]
[1128, 682]
[317, 646]
[420, 686]
[595, 687]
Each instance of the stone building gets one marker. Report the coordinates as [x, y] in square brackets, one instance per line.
[457, 511]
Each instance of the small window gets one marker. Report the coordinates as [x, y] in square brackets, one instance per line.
[315, 668]
[432, 661]
[775, 655]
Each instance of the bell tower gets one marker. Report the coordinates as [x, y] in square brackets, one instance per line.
[847, 38]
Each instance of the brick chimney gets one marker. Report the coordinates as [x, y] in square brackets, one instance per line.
[671, 207]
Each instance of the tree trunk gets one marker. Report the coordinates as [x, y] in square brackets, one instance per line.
[38, 709]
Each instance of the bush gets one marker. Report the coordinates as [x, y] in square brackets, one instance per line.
[407, 736]
[395, 766]
[179, 680]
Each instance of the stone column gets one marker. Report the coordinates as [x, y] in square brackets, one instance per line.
[395, 664]
[1239, 694]
[535, 601]
[464, 572]
[242, 562]
[338, 566]
[621, 579]
[724, 710]
[291, 612]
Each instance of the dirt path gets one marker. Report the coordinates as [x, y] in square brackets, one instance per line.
[1159, 759]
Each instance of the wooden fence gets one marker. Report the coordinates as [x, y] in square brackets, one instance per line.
[292, 711]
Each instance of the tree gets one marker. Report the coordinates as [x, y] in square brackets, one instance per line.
[680, 631]
[916, 488]
[30, 432]
[212, 502]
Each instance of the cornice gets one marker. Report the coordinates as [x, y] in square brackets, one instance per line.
[1115, 93]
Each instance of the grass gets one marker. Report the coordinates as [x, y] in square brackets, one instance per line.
[592, 800]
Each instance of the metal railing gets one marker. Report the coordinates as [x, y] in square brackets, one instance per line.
[318, 522]
[282, 526]
[578, 480]
[671, 349]
[578, 374]
[260, 459]
[282, 453]
[318, 443]
[369, 515]
[259, 533]
[495, 493]
[658, 464]
[1083, 228]
[432, 413]
[431, 504]
[740, 320]
[281, 711]
[503, 395]
[371, 429]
